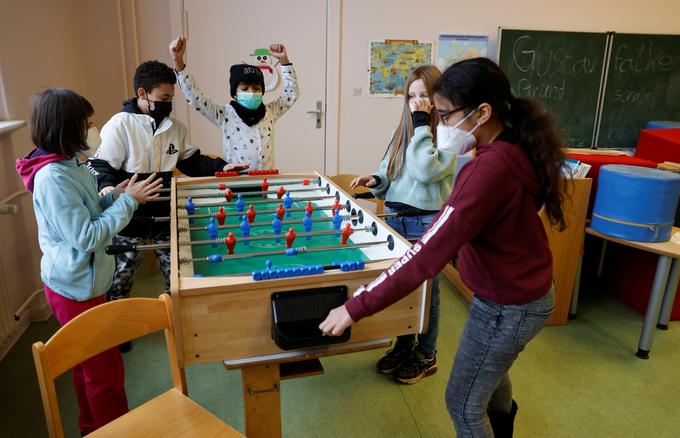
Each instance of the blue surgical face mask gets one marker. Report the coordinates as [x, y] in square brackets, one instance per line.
[249, 100]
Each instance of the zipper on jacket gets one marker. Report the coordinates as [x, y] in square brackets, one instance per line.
[92, 271]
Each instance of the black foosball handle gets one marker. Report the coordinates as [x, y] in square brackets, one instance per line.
[366, 195]
[122, 249]
[119, 249]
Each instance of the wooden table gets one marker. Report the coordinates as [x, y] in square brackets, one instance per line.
[663, 289]
[223, 314]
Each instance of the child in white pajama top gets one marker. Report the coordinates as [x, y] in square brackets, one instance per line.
[246, 123]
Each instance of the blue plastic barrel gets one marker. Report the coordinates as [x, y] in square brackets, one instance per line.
[663, 124]
[636, 203]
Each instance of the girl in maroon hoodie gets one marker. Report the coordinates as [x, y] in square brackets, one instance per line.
[491, 222]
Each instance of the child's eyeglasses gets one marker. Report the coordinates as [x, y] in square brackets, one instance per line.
[444, 116]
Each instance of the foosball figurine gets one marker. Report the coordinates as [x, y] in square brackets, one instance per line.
[230, 241]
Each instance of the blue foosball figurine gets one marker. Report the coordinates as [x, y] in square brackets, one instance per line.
[307, 224]
[212, 231]
[240, 205]
[245, 229]
[276, 226]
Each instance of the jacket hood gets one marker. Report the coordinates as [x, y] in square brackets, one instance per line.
[130, 106]
[28, 166]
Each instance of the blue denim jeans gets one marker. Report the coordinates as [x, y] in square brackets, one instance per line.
[492, 338]
[412, 227]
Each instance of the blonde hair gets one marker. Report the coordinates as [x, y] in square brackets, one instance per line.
[402, 135]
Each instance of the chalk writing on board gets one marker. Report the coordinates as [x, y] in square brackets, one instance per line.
[546, 69]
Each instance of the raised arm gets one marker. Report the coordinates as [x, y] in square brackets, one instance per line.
[290, 86]
[196, 98]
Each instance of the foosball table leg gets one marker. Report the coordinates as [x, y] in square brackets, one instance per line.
[262, 400]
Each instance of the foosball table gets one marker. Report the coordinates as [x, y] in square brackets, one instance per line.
[257, 263]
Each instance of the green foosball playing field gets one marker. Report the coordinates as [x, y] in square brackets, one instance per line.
[293, 219]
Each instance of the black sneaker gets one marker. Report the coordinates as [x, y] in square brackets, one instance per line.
[416, 368]
[393, 360]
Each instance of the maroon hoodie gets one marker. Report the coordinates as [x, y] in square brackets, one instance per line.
[491, 222]
[33, 162]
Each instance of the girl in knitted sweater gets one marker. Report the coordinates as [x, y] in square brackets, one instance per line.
[414, 179]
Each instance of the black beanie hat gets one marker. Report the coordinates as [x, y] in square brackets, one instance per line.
[244, 72]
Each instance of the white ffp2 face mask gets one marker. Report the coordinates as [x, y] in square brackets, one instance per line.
[93, 141]
[454, 139]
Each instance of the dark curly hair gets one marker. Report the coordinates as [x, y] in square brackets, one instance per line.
[151, 74]
[475, 81]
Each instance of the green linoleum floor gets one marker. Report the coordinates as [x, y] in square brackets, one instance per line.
[578, 380]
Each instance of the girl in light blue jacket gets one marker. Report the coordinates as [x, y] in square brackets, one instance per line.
[74, 227]
[415, 178]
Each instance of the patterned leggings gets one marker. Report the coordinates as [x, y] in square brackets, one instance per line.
[127, 263]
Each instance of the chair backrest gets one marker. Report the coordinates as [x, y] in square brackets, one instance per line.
[343, 180]
[97, 330]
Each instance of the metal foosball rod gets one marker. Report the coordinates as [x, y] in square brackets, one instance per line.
[120, 249]
[223, 240]
[301, 271]
[232, 194]
[223, 186]
[247, 194]
[241, 213]
[265, 201]
[289, 251]
[345, 218]
[325, 218]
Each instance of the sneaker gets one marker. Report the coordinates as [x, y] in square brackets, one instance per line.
[416, 368]
[393, 360]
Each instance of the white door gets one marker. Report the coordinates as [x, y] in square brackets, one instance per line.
[221, 33]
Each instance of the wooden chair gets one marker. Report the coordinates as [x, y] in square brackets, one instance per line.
[342, 180]
[108, 325]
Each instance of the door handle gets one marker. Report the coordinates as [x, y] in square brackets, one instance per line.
[317, 113]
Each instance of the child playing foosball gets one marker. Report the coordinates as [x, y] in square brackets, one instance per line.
[145, 138]
[246, 123]
[74, 226]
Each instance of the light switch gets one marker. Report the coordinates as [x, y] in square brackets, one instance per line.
[357, 90]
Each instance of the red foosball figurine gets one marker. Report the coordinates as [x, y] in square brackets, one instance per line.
[231, 243]
[221, 216]
[309, 208]
[250, 214]
[346, 232]
[280, 212]
[265, 187]
[290, 238]
[336, 206]
[228, 194]
[280, 192]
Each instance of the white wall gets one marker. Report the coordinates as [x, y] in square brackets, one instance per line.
[40, 49]
[366, 122]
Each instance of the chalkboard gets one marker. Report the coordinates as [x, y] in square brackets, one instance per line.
[643, 84]
[563, 70]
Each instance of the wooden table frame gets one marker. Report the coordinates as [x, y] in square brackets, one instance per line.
[228, 318]
[663, 290]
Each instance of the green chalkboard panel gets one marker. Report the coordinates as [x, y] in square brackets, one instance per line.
[643, 84]
[563, 70]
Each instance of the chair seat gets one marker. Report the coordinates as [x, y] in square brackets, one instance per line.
[171, 414]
